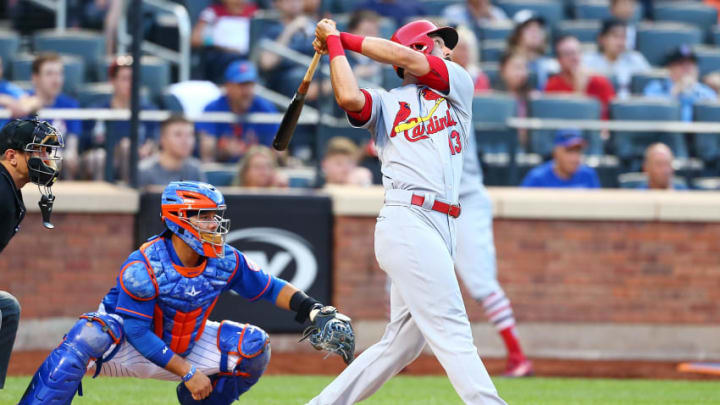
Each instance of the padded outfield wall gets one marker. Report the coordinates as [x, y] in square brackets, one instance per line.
[603, 276]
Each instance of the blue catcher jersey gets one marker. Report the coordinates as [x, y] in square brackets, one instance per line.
[154, 285]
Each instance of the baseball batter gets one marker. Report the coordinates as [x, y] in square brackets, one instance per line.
[421, 130]
[154, 322]
[475, 261]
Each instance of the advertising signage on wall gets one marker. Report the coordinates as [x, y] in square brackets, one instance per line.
[289, 236]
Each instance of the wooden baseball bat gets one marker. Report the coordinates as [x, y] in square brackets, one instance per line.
[290, 119]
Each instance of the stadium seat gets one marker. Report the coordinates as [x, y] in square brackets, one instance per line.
[551, 11]
[171, 103]
[86, 44]
[93, 93]
[492, 51]
[154, 73]
[74, 71]
[436, 7]
[599, 10]
[708, 58]
[715, 33]
[584, 30]
[657, 40]
[492, 71]
[690, 12]
[390, 79]
[629, 147]
[195, 7]
[9, 44]
[220, 177]
[706, 183]
[707, 146]
[640, 80]
[495, 31]
[564, 106]
[259, 24]
[635, 180]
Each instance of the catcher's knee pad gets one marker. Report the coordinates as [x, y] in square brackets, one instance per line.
[252, 346]
[58, 378]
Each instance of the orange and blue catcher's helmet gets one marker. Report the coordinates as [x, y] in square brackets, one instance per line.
[194, 211]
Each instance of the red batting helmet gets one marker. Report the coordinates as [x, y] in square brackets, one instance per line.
[417, 34]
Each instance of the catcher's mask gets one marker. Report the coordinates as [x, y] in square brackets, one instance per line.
[417, 35]
[41, 144]
[195, 212]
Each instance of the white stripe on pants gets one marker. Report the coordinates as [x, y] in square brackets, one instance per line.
[205, 356]
[426, 306]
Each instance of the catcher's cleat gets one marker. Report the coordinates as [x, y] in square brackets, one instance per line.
[523, 368]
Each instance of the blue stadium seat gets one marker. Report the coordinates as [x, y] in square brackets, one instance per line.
[707, 146]
[9, 44]
[552, 11]
[171, 103]
[492, 71]
[259, 25]
[584, 30]
[715, 33]
[494, 108]
[564, 106]
[640, 80]
[629, 147]
[390, 78]
[195, 7]
[74, 71]
[154, 73]
[220, 177]
[706, 183]
[86, 44]
[492, 51]
[93, 93]
[657, 40]
[708, 59]
[599, 10]
[690, 12]
[495, 30]
[635, 180]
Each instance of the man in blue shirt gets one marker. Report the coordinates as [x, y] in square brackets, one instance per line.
[565, 169]
[13, 98]
[683, 82]
[48, 80]
[228, 142]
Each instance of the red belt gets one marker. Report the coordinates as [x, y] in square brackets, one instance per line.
[439, 206]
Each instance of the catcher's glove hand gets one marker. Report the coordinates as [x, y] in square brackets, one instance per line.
[332, 331]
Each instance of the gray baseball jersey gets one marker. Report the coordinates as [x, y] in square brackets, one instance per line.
[421, 135]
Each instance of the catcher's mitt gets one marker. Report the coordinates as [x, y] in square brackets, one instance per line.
[331, 331]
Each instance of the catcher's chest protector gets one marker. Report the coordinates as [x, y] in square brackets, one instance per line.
[186, 296]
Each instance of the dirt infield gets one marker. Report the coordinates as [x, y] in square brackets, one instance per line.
[24, 363]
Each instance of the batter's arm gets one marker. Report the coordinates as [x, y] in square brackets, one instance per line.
[347, 93]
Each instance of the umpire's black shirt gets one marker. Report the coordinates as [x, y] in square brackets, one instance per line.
[12, 208]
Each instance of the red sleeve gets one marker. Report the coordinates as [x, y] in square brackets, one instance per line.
[602, 89]
[437, 78]
[361, 117]
[556, 84]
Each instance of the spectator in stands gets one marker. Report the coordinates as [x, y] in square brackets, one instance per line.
[174, 161]
[367, 24]
[473, 14]
[340, 164]
[296, 31]
[624, 10]
[613, 59]
[228, 142]
[530, 38]
[466, 55]
[259, 168]
[659, 170]
[514, 79]
[682, 84]
[576, 78]
[398, 10]
[14, 99]
[223, 33]
[103, 137]
[565, 169]
[48, 80]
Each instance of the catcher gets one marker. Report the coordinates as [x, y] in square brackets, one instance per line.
[154, 322]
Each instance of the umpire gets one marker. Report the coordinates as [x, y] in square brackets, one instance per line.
[29, 153]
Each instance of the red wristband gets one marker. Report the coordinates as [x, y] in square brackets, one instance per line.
[352, 42]
[334, 46]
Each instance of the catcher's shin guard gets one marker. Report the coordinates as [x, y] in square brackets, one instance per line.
[252, 345]
[58, 378]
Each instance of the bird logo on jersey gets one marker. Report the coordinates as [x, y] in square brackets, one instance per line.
[435, 124]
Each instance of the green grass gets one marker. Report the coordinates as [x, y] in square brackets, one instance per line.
[404, 390]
